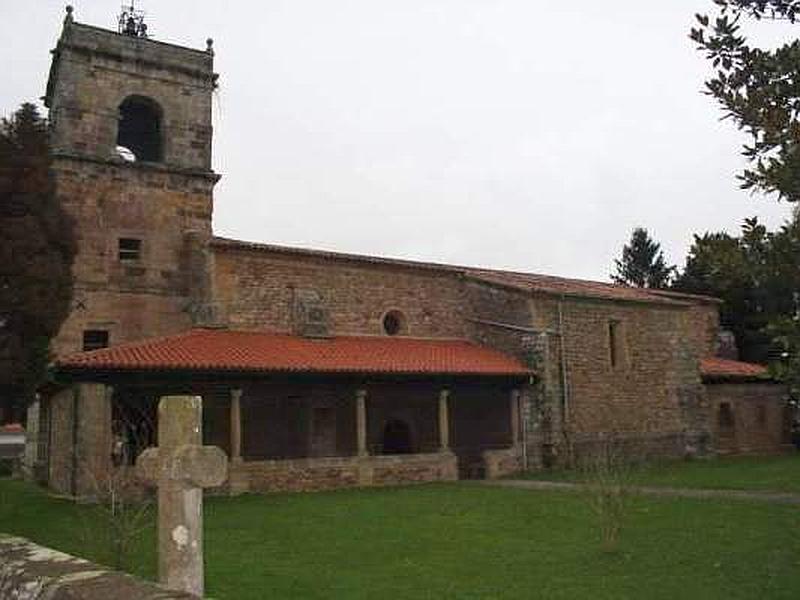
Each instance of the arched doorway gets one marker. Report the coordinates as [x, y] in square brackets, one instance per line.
[397, 437]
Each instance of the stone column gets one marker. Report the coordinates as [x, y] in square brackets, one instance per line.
[361, 421]
[444, 421]
[236, 425]
[514, 415]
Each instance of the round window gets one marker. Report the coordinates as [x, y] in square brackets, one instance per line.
[393, 323]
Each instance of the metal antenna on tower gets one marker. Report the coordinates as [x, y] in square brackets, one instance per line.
[131, 21]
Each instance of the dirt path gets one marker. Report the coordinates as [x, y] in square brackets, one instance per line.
[769, 497]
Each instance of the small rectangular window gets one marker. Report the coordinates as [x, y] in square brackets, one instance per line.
[761, 416]
[130, 249]
[616, 344]
[725, 417]
[94, 339]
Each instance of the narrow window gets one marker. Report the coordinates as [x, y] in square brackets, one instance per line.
[130, 249]
[616, 344]
[139, 130]
[761, 416]
[94, 339]
[725, 416]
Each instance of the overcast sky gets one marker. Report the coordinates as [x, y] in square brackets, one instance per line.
[519, 134]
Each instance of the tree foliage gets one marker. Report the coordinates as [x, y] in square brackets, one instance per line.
[756, 274]
[37, 249]
[642, 263]
[758, 89]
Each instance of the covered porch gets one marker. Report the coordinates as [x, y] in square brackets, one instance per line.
[397, 411]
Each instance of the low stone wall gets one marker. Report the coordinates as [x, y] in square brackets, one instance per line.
[637, 447]
[758, 421]
[413, 468]
[312, 474]
[31, 572]
[501, 463]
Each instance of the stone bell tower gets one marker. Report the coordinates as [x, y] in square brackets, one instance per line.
[131, 137]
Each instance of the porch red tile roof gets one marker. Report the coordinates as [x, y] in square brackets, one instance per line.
[723, 368]
[250, 351]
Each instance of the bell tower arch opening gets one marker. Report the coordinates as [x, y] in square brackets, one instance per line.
[140, 129]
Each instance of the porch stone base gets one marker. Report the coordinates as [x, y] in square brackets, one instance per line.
[501, 463]
[312, 474]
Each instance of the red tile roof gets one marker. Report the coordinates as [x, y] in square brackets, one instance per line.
[723, 368]
[527, 282]
[249, 351]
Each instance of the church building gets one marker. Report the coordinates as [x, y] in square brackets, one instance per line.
[320, 369]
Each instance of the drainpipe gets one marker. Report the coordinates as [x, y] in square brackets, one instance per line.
[523, 429]
[564, 374]
[74, 474]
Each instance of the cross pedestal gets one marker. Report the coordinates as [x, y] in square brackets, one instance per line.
[181, 467]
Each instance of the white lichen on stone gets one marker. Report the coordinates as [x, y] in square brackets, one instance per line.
[180, 535]
[40, 554]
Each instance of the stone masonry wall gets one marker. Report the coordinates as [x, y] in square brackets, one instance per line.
[654, 379]
[130, 299]
[32, 572]
[94, 70]
[703, 327]
[312, 474]
[652, 393]
[651, 400]
[161, 204]
[255, 289]
[758, 417]
[61, 441]
[83, 468]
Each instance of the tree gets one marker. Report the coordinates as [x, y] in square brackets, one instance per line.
[757, 275]
[37, 249]
[642, 263]
[758, 89]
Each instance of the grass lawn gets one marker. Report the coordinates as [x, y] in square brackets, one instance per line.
[768, 473]
[455, 541]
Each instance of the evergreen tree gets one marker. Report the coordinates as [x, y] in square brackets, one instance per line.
[642, 263]
[37, 249]
[758, 89]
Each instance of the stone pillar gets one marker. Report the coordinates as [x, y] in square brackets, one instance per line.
[236, 425]
[181, 467]
[32, 457]
[514, 415]
[444, 421]
[361, 421]
[93, 439]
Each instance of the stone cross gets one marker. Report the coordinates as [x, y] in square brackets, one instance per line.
[181, 467]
